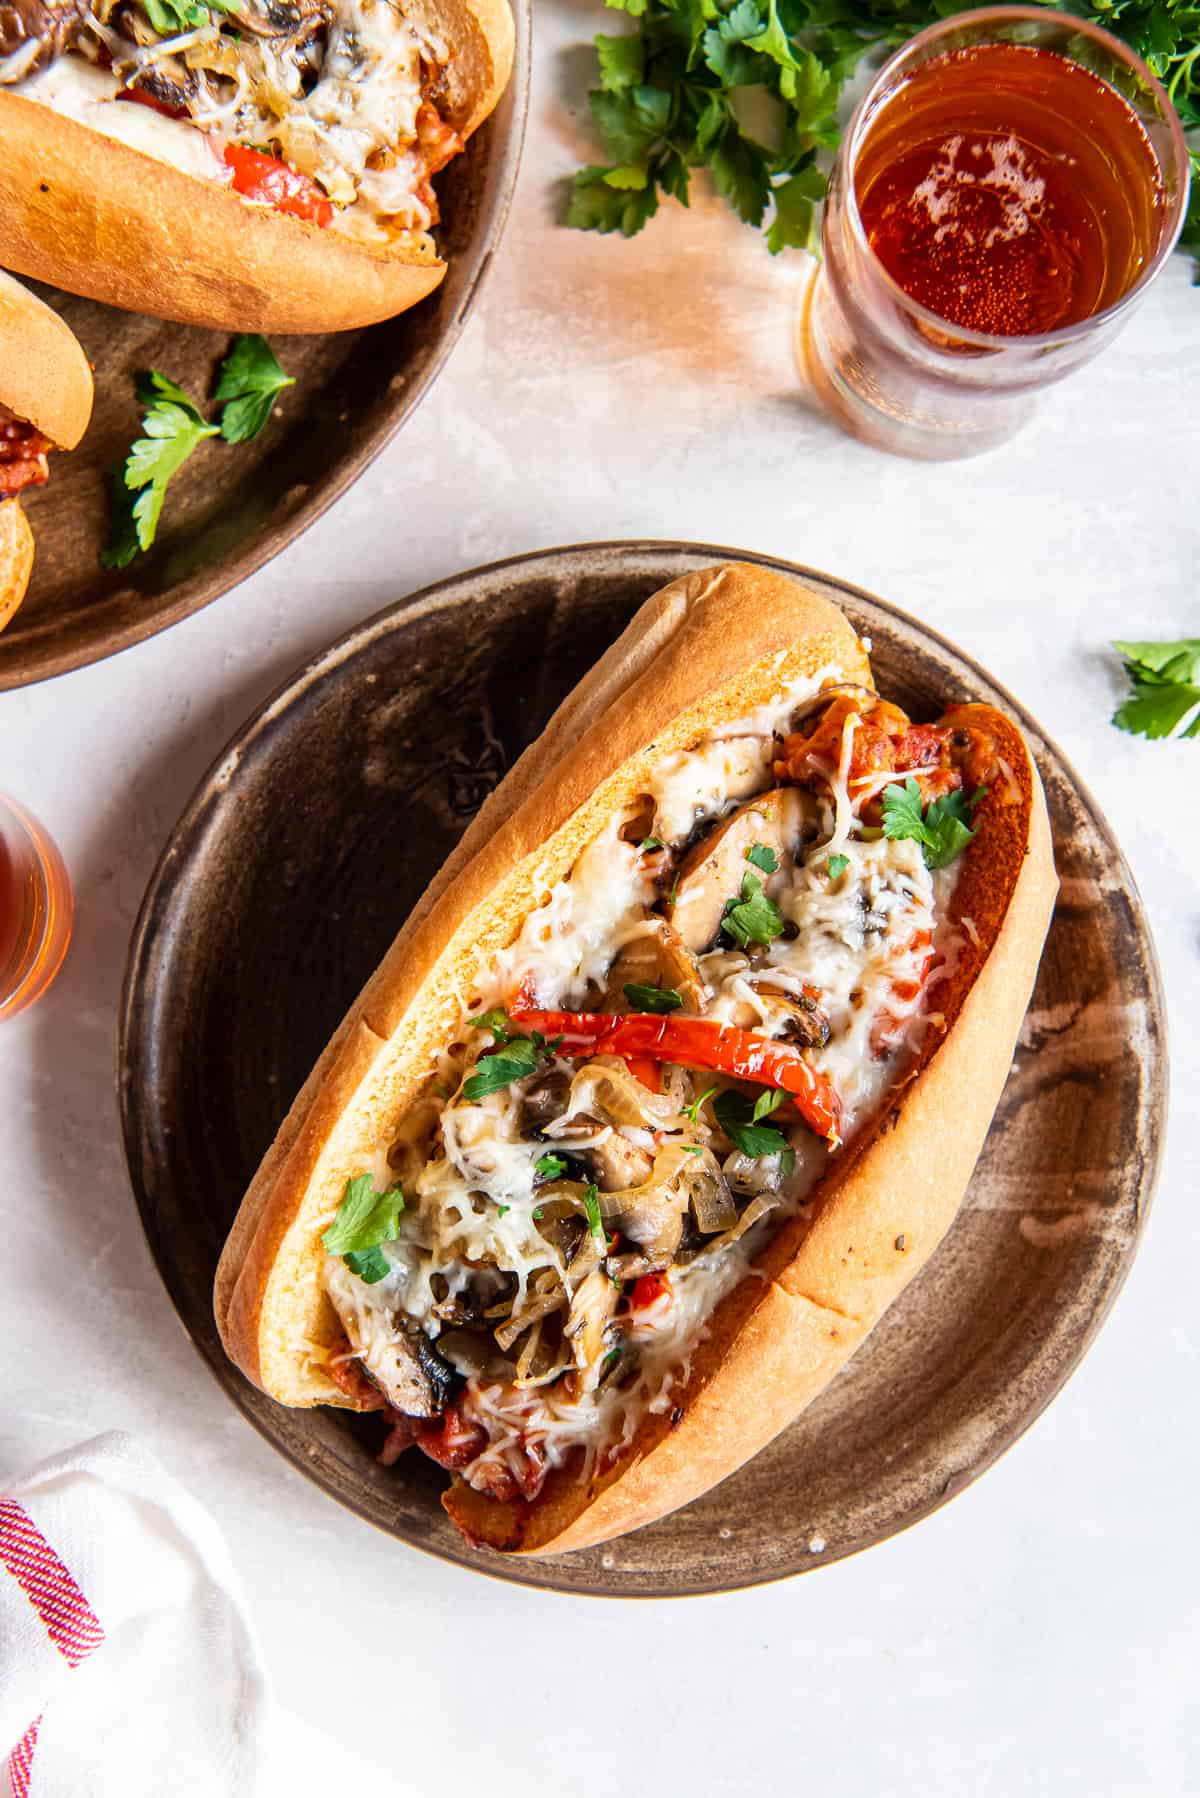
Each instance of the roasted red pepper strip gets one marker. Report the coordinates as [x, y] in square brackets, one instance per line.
[265, 178]
[695, 1043]
[645, 1069]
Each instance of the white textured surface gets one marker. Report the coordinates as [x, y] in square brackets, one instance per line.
[1041, 1634]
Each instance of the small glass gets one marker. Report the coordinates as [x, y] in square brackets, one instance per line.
[36, 909]
[902, 377]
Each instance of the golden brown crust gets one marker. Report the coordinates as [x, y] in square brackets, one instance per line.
[44, 374]
[97, 217]
[16, 557]
[733, 636]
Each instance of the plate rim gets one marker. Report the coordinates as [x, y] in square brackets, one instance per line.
[325, 663]
[191, 595]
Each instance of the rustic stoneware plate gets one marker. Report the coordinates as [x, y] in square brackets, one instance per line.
[302, 852]
[231, 510]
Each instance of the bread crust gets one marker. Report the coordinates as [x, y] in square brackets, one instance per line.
[97, 217]
[45, 376]
[708, 648]
[16, 557]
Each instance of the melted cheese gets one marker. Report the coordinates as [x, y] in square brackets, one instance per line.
[863, 939]
[354, 132]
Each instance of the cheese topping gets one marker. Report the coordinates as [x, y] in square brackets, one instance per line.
[337, 90]
[572, 1219]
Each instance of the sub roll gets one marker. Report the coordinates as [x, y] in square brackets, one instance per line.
[672, 1082]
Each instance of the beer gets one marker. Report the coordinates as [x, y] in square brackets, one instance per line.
[1009, 190]
[35, 909]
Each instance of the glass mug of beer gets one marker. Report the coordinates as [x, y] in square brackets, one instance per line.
[1010, 184]
[36, 909]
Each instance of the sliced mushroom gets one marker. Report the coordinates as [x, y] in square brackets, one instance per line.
[712, 874]
[617, 1162]
[35, 33]
[591, 1313]
[402, 1376]
[543, 1100]
[793, 1019]
[658, 957]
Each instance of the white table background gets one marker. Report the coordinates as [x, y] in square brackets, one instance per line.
[1040, 1635]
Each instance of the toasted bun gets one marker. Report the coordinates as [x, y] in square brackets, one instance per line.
[706, 650]
[97, 217]
[16, 557]
[44, 374]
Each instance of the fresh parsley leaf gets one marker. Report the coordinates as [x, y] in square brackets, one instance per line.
[649, 844]
[692, 1148]
[371, 1265]
[516, 1057]
[365, 1219]
[943, 831]
[794, 226]
[764, 857]
[172, 426]
[122, 545]
[503, 1210]
[549, 1166]
[693, 1110]
[622, 62]
[740, 1120]
[837, 866]
[591, 1205]
[753, 918]
[169, 17]
[652, 998]
[248, 383]
[769, 1100]
[1165, 701]
[496, 1020]
[598, 205]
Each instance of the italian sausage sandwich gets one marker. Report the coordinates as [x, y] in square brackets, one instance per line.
[672, 1082]
[253, 165]
[45, 404]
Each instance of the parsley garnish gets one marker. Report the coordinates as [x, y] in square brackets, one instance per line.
[365, 1219]
[172, 423]
[503, 1210]
[693, 1110]
[248, 385]
[741, 1122]
[837, 866]
[652, 998]
[169, 17]
[648, 844]
[172, 426]
[670, 100]
[943, 832]
[591, 1205]
[495, 1020]
[753, 918]
[517, 1056]
[549, 1166]
[1165, 701]
[764, 857]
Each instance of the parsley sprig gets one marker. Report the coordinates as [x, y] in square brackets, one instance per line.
[365, 1219]
[942, 829]
[652, 998]
[741, 1120]
[512, 1059]
[750, 89]
[173, 427]
[1165, 701]
[672, 98]
[753, 918]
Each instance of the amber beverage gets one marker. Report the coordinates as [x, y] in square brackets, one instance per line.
[36, 909]
[1011, 182]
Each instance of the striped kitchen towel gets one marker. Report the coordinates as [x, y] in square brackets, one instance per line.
[126, 1661]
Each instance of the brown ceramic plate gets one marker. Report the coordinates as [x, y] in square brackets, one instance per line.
[229, 511]
[303, 850]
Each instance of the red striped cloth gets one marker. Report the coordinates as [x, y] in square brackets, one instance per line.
[65, 1613]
